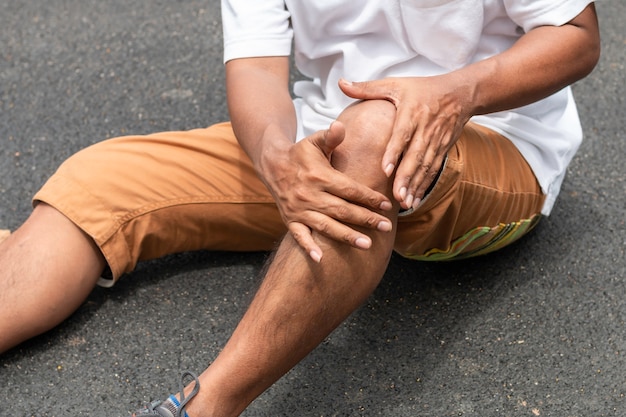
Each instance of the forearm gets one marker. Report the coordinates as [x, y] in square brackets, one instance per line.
[541, 63]
[261, 109]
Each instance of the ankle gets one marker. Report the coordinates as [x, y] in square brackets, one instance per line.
[217, 397]
[208, 405]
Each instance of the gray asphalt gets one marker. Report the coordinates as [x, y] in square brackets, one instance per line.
[535, 330]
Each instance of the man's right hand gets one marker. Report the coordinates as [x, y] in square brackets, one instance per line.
[312, 196]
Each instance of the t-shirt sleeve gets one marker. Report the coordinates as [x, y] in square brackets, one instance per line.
[530, 14]
[255, 28]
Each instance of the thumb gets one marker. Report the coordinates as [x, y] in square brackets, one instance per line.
[330, 138]
[366, 90]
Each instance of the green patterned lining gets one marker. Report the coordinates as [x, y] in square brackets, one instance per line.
[481, 240]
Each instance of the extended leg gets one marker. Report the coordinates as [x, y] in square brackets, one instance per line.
[182, 184]
[301, 302]
[47, 269]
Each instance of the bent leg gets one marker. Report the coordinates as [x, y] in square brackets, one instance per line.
[47, 269]
[300, 302]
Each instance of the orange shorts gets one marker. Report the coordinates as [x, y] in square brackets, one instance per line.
[142, 197]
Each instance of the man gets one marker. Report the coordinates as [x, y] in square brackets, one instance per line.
[438, 129]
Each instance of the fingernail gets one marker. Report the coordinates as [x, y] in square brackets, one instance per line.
[384, 226]
[416, 203]
[386, 205]
[363, 243]
[317, 258]
[389, 169]
[409, 201]
[403, 193]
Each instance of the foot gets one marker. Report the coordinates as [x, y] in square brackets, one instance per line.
[172, 407]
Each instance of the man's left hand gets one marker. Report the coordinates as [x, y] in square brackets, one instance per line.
[430, 117]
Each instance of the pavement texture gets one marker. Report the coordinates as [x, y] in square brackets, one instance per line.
[535, 330]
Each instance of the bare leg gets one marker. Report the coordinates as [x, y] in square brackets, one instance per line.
[301, 302]
[47, 269]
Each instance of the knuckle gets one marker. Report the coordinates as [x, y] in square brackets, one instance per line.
[405, 177]
[371, 221]
[295, 231]
[342, 212]
[300, 193]
[288, 209]
[298, 238]
[351, 191]
[406, 133]
[324, 228]
[375, 202]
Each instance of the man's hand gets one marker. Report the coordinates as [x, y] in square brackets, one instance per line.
[430, 118]
[431, 111]
[313, 196]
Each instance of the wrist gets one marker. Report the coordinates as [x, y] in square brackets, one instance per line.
[272, 153]
[454, 95]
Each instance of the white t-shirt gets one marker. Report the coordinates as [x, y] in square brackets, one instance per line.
[373, 39]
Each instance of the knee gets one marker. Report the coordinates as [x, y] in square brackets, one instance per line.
[368, 127]
[370, 120]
